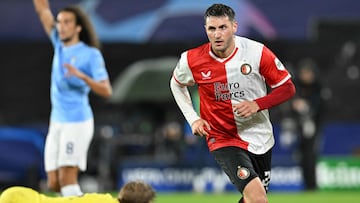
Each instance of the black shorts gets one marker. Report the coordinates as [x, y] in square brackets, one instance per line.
[242, 166]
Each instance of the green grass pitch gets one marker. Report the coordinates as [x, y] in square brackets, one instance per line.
[274, 197]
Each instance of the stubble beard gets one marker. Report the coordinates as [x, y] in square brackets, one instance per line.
[66, 40]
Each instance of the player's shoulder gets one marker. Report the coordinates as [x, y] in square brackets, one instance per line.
[91, 51]
[201, 47]
[88, 47]
[244, 42]
[17, 194]
[98, 197]
[199, 50]
[16, 189]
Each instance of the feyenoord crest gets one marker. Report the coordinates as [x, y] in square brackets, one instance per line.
[243, 173]
[245, 69]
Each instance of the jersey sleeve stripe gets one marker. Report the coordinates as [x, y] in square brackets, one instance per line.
[282, 81]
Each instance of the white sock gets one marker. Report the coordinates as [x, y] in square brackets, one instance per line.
[71, 190]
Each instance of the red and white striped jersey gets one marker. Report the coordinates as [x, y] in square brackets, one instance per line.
[224, 82]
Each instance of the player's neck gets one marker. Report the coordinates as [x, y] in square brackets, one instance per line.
[224, 53]
[71, 41]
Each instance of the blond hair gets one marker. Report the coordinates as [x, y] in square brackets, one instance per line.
[136, 192]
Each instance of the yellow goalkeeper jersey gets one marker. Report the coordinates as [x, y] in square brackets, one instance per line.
[18, 194]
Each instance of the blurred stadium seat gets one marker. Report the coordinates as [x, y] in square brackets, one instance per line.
[21, 157]
[341, 139]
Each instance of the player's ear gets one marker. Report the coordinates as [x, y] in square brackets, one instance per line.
[78, 28]
[235, 26]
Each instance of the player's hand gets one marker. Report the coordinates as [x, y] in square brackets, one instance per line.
[246, 108]
[300, 105]
[200, 127]
[73, 71]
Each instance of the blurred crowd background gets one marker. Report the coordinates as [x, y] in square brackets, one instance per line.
[140, 133]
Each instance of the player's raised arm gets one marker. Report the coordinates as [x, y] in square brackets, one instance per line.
[42, 8]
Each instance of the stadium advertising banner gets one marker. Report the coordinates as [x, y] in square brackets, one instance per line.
[338, 173]
[333, 173]
[179, 179]
[203, 179]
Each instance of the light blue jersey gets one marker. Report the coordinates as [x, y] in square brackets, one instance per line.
[69, 95]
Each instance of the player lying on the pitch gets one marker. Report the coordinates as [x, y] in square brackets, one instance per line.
[131, 192]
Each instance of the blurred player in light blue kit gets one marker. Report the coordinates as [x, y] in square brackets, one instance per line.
[78, 67]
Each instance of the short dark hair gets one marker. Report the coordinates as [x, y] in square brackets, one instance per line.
[87, 34]
[220, 10]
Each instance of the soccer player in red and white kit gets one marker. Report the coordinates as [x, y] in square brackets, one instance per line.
[232, 74]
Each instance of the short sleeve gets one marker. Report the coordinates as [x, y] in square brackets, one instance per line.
[54, 37]
[272, 69]
[97, 66]
[182, 72]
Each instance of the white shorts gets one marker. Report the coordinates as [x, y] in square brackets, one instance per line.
[67, 144]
